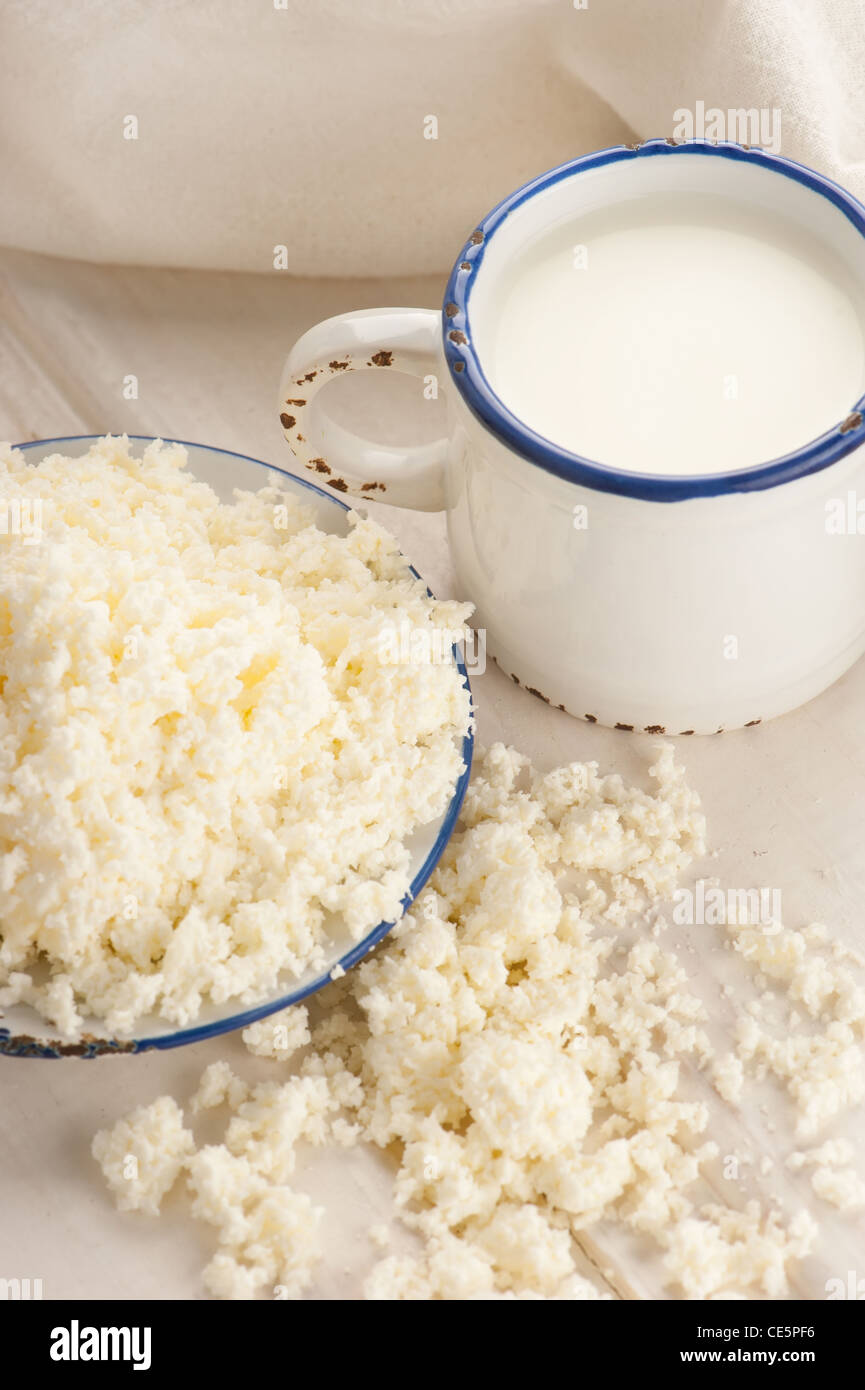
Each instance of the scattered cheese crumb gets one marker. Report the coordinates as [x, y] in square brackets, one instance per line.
[218, 1086]
[280, 1035]
[823, 1072]
[833, 1154]
[142, 1155]
[825, 990]
[268, 1234]
[734, 1251]
[728, 1077]
[843, 1187]
[525, 1075]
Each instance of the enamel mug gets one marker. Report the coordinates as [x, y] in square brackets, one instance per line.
[666, 604]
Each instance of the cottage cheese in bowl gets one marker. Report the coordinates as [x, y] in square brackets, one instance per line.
[217, 779]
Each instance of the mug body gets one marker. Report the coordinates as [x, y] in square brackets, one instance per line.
[660, 603]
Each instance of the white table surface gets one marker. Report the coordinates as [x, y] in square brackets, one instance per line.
[785, 802]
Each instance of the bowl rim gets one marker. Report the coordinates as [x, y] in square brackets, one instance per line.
[21, 1045]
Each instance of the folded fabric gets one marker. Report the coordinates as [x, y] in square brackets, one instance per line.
[367, 137]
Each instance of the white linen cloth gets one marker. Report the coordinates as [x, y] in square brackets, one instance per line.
[301, 123]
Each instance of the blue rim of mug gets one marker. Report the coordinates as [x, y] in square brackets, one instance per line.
[17, 1046]
[471, 382]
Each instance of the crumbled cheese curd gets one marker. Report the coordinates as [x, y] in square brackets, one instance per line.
[832, 1154]
[204, 750]
[144, 1154]
[526, 1076]
[842, 1187]
[728, 1077]
[268, 1234]
[817, 1059]
[219, 1086]
[822, 1072]
[380, 1235]
[735, 1251]
[523, 1065]
[280, 1035]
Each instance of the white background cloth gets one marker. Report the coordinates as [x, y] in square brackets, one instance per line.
[304, 125]
[230, 139]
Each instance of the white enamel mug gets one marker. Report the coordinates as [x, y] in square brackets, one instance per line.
[689, 604]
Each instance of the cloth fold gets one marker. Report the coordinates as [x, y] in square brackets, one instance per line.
[367, 138]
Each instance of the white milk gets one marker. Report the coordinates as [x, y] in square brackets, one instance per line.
[678, 333]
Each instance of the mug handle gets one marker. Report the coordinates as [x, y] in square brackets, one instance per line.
[405, 340]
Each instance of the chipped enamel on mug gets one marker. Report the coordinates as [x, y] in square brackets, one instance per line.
[686, 604]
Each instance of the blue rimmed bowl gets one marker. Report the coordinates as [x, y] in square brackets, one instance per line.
[22, 1032]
